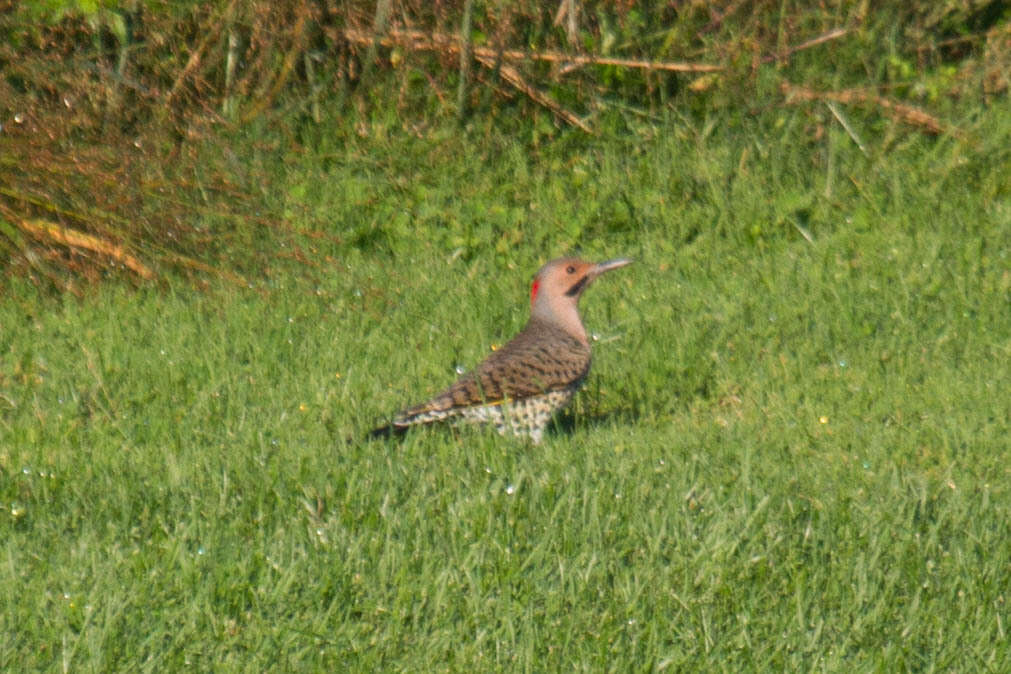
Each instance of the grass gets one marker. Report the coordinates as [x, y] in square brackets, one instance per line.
[792, 451]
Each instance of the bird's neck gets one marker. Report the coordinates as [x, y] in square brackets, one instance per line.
[563, 316]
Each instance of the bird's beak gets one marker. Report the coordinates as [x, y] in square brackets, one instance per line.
[602, 267]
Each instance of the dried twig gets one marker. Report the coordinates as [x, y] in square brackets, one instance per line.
[50, 231]
[418, 40]
[790, 51]
[513, 77]
[900, 111]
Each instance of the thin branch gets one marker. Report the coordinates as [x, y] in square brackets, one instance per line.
[513, 77]
[821, 39]
[900, 111]
[72, 238]
[417, 40]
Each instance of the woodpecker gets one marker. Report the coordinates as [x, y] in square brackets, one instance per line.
[520, 386]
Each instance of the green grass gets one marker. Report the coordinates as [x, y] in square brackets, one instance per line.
[791, 454]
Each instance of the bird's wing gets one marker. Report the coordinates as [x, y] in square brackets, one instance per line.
[536, 361]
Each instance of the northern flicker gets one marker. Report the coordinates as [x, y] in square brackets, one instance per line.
[520, 386]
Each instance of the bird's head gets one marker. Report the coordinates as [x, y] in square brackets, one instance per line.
[555, 292]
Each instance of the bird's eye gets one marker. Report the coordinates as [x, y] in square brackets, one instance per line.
[570, 269]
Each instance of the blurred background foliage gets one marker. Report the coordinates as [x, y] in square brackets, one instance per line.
[139, 138]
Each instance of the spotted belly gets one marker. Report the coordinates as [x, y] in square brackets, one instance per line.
[527, 417]
[523, 418]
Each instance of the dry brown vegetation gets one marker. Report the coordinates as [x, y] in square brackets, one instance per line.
[116, 123]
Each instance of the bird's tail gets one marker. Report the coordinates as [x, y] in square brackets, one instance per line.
[387, 431]
[415, 416]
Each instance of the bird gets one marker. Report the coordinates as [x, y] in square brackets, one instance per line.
[520, 386]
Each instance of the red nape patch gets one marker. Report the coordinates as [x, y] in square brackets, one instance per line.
[534, 287]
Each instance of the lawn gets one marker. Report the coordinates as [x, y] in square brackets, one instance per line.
[791, 453]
